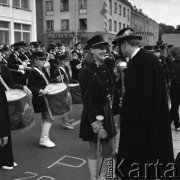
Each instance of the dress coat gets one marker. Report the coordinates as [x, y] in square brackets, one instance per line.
[95, 84]
[6, 154]
[145, 135]
[36, 82]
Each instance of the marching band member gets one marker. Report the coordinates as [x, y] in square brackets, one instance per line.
[95, 83]
[37, 81]
[76, 61]
[5, 54]
[17, 64]
[65, 78]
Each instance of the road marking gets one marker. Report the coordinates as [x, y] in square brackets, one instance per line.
[75, 123]
[69, 165]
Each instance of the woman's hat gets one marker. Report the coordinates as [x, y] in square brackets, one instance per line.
[126, 34]
[97, 41]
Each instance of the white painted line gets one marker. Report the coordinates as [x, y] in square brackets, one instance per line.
[75, 123]
[69, 165]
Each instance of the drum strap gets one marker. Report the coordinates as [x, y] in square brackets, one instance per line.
[64, 73]
[3, 82]
[42, 74]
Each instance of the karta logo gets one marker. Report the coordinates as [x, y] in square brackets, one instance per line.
[146, 170]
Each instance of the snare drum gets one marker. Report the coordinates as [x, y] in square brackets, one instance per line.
[58, 99]
[20, 110]
[75, 93]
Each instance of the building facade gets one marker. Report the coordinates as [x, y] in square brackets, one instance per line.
[78, 20]
[144, 26]
[17, 21]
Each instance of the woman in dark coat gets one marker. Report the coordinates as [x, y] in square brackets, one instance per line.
[145, 136]
[96, 85]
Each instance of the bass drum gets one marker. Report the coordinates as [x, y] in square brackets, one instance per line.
[20, 109]
[58, 99]
[75, 93]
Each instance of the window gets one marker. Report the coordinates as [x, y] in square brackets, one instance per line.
[22, 32]
[50, 25]
[83, 24]
[110, 25]
[115, 8]
[119, 26]
[124, 26]
[3, 1]
[65, 24]
[21, 4]
[115, 26]
[64, 5]
[82, 6]
[49, 8]
[128, 15]
[16, 3]
[25, 4]
[124, 12]
[4, 32]
[120, 10]
[110, 6]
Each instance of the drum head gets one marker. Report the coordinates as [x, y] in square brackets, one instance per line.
[15, 94]
[73, 85]
[55, 88]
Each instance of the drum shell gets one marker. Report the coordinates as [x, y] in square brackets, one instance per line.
[59, 103]
[75, 93]
[21, 113]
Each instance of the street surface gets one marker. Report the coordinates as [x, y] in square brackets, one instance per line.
[67, 161]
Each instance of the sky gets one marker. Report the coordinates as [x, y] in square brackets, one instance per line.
[162, 11]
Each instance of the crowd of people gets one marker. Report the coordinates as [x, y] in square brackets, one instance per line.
[139, 84]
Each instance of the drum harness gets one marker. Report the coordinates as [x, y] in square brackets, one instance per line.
[3, 82]
[42, 74]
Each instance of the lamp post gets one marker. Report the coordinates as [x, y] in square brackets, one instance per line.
[75, 38]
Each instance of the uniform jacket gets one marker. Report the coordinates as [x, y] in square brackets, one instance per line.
[35, 83]
[95, 83]
[14, 60]
[7, 77]
[96, 89]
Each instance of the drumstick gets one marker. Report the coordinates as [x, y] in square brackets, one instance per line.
[100, 119]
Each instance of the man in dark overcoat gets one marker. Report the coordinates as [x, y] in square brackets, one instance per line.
[145, 148]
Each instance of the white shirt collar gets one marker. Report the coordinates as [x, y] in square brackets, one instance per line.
[135, 52]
